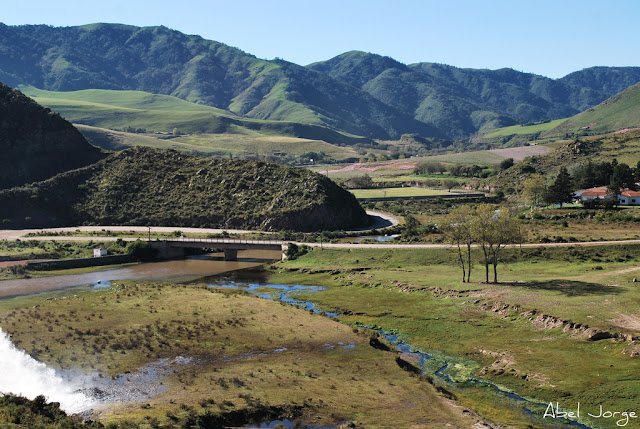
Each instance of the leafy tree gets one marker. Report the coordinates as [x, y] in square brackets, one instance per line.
[561, 190]
[294, 251]
[622, 178]
[429, 167]
[359, 182]
[506, 163]
[449, 184]
[411, 226]
[534, 188]
[458, 230]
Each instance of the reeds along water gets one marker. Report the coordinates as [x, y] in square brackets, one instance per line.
[21, 374]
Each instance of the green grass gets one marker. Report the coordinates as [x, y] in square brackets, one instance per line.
[237, 142]
[524, 129]
[616, 113]
[116, 110]
[396, 192]
[485, 329]
[232, 338]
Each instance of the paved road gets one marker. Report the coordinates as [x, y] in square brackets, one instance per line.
[446, 246]
[381, 220]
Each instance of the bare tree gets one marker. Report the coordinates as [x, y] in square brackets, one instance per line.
[458, 229]
[493, 231]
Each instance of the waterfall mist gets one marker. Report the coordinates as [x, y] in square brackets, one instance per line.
[20, 374]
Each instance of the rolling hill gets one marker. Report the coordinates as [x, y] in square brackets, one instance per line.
[357, 93]
[145, 186]
[616, 114]
[622, 111]
[36, 143]
[116, 110]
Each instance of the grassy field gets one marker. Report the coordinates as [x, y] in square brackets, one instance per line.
[406, 192]
[25, 249]
[524, 129]
[527, 334]
[249, 356]
[210, 130]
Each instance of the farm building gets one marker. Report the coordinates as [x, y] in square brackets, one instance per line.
[625, 198]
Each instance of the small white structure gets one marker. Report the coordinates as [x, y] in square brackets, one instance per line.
[99, 252]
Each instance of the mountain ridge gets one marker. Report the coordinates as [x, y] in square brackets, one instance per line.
[355, 92]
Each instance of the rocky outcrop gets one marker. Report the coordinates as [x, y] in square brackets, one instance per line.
[545, 321]
[35, 143]
[144, 186]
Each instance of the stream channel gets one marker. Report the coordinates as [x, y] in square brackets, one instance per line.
[245, 274]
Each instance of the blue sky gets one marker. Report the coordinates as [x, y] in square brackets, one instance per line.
[551, 38]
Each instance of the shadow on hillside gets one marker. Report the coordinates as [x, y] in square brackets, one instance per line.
[570, 287]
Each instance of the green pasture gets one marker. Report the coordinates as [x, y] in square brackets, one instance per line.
[406, 192]
[492, 331]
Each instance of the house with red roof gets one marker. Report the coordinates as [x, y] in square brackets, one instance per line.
[626, 198]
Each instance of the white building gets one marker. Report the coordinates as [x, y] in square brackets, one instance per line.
[625, 198]
[99, 252]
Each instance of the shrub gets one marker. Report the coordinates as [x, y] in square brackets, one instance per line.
[294, 251]
[141, 251]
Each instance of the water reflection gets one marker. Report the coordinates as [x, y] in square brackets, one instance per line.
[179, 271]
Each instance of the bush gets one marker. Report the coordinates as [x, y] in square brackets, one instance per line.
[141, 251]
[294, 251]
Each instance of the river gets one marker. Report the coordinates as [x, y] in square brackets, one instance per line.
[179, 271]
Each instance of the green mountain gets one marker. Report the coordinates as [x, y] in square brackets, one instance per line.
[163, 61]
[357, 93]
[36, 143]
[465, 101]
[143, 186]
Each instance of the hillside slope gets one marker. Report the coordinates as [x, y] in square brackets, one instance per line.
[143, 186]
[465, 101]
[35, 143]
[614, 114]
[138, 109]
[163, 61]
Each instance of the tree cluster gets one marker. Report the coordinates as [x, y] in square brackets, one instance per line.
[481, 225]
[611, 174]
[458, 170]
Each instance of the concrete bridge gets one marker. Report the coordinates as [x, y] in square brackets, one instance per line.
[174, 248]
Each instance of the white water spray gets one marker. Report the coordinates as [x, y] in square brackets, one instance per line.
[20, 374]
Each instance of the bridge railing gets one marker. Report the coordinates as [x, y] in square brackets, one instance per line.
[227, 241]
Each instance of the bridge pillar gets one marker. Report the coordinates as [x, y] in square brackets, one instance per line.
[165, 251]
[230, 254]
[285, 247]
